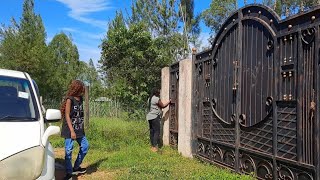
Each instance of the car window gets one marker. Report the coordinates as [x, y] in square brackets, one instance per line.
[17, 101]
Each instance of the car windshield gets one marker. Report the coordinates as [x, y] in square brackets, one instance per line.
[17, 102]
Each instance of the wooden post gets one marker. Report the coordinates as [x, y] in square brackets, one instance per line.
[86, 110]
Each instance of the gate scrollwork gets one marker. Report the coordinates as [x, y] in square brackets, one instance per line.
[284, 173]
[308, 35]
[217, 153]
[270, 45]
[247, 165]
[213, 104]
[264, 170]
[229, 158]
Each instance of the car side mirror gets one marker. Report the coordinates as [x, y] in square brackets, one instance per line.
[53, 115]
[51, 130]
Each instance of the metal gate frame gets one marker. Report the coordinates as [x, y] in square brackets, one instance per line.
[252, 101]
[174, 105]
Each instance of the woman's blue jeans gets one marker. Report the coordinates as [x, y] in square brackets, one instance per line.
[68, 144]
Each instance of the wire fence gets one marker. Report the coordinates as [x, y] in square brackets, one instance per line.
[109, 109]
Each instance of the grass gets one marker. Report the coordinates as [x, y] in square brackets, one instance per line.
[121, 150]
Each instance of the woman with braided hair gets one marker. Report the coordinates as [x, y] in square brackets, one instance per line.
[155, 106]
[73, 128]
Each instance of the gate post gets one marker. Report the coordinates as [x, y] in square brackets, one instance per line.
[86, 107]
[165, 84]
[185, 109]
[317, 100]
[238, 96]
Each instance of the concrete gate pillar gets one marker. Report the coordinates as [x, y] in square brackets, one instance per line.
[185, 111]
[164, 94]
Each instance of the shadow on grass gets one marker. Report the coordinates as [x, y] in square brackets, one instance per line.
[165, 117]
[94, 167]
[91, 168]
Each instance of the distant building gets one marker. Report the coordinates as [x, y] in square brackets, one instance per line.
[102, 99]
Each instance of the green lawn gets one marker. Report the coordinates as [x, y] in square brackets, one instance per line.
[121, 148]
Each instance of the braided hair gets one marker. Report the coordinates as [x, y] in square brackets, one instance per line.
[154, 92]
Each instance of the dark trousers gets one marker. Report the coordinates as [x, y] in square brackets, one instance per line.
[154, 126]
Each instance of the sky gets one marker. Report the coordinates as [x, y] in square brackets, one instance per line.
[85, 20]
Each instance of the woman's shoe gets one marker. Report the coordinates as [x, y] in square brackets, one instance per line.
[154, 149]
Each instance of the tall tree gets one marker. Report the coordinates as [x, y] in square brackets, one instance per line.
[191, 28]
[90, 76]
[217, 13]
[287, 8]
[162, 17]
[9, 43]
[132, 60]
[64, 58]
[23, 45]
[166, 19]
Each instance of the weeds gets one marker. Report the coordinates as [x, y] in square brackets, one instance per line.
[122, 148]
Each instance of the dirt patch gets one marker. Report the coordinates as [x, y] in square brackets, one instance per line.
[91, 173]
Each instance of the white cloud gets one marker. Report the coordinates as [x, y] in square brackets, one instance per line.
[86, 52]
[67, 29]
[84, 34]
[80, 10]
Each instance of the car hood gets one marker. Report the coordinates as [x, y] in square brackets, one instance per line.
[18, 136]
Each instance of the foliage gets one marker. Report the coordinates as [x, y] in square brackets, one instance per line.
[191, 30]
[90, 76]
[162, 17]
[121, 148]
[64, 58]
[290, 7]
[217, 13]
[23, 47]
[220, 10]
[132, 61]
[165, 20]
[122, 133]
[135, 49]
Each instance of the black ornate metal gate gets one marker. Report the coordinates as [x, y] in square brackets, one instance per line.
[253, 91]
[173, 110]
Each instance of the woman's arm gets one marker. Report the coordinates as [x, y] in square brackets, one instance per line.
[67, 115]
[163, 105]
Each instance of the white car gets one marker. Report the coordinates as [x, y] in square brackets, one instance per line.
[25, 151]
